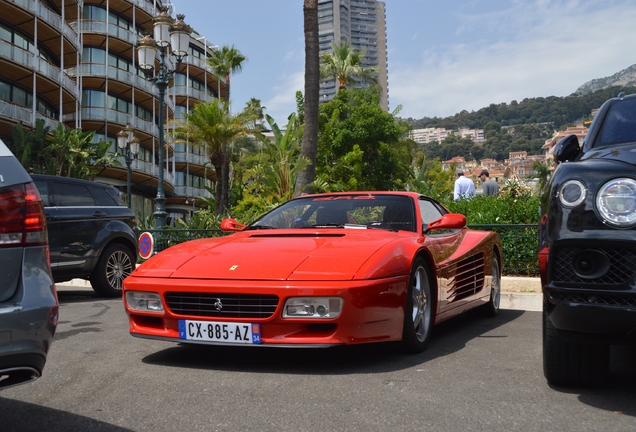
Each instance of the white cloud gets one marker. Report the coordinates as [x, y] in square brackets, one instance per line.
[283, 101]
[534, 48]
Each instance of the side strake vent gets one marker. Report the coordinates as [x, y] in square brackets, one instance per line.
[469, 277]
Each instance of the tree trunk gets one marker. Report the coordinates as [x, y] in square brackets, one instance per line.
[309, 145]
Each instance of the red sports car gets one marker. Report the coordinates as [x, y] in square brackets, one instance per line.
[318, 271]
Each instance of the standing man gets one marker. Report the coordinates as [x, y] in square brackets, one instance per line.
[464, 187]
[490, 187]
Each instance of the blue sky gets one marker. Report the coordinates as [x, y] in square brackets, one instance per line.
[444, 55]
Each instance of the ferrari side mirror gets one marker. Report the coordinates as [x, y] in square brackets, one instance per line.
[448, 221]
[230, 224]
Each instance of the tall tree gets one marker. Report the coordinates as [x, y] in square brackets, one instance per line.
[309, 145]
[361, 146]
[254, 107]
[344, 65]
[227, 61]
[212, 126]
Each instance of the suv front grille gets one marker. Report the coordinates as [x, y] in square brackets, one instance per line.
[621, 271]
[222, 305]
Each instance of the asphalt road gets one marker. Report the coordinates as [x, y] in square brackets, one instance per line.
[477, 374]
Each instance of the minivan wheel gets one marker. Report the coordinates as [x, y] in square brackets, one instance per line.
[114, 265]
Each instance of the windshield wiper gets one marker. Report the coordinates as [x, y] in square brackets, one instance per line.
[259, 227]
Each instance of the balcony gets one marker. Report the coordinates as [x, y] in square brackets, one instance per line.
[24, 115]
[190, 191]
[105, 114]
[147, 168]
[183, 157]
[100, 70]
[33, 62]
[47, 15]
[181, 90]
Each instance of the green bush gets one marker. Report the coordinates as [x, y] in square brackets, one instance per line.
[519, 243]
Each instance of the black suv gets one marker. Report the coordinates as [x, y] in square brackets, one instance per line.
[92, 234]
[587, 247]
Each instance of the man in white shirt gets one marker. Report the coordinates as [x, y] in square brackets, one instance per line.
[464, 187]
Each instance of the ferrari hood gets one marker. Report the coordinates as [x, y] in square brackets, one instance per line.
[283, 255]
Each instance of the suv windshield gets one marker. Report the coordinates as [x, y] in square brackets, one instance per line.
[620, 123]
[345, 211]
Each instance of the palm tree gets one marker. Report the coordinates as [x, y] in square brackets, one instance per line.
[273, 178]
[254, 107]
[226, 61]
[344, 64]
[212, 126]
[309, 145]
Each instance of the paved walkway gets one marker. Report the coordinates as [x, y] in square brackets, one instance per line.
[520, 293]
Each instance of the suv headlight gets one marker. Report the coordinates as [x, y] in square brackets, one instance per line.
[572, 193]
[616, 202]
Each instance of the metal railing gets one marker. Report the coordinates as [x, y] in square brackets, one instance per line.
[519, 243]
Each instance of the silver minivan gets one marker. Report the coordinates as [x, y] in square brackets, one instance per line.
[28, 299]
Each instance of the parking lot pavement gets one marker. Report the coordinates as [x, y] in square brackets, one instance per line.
[520, 293]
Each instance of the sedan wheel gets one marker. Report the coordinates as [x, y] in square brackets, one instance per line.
[114, 265]
[418, 314]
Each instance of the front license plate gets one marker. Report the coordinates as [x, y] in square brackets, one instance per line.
[213, 331]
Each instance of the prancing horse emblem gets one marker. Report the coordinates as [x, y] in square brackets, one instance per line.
[218, 305]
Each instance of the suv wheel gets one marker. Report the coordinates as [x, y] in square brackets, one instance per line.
[114, 265]
[569, 363]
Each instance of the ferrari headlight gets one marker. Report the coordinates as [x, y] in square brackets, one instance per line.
[144, 301]
[312, 307]
[572, 193]
[616, 202]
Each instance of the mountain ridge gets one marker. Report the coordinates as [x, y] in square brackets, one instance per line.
[624, 78]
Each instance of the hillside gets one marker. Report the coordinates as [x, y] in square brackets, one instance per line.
[624, 78]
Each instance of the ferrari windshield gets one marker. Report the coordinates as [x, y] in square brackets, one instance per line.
[619, 125]
[391, 212]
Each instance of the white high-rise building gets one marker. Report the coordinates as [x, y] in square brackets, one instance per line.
[361, 23]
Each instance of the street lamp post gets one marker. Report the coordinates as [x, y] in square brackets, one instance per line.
[129, 143]
[176, 36]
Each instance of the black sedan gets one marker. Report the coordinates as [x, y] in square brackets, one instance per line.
[587, 248]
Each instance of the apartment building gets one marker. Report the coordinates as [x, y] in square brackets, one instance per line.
[74, 62]
[362, 24]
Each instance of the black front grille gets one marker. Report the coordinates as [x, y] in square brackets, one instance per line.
[594, 299]
[222, 305]
[621, 272]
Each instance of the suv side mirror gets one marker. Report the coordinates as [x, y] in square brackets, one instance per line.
[567, 149]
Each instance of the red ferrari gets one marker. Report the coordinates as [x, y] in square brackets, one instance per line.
[318, 271]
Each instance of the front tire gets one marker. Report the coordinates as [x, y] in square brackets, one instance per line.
[418, 314]
[569, 363]
[114, 265]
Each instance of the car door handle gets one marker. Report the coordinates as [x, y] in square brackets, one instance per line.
[99, 214]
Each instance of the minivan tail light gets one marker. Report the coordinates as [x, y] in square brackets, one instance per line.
[22, 217]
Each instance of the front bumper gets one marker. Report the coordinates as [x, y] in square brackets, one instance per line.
[372, 311]
[592, 315]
